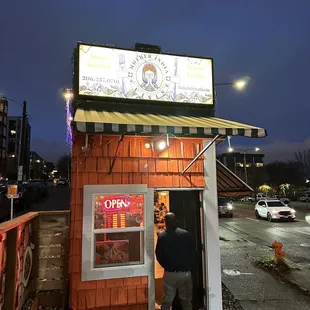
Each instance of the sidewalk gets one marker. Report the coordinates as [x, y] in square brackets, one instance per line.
[254, 288]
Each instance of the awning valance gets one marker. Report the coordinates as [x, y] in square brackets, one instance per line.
[94, 121]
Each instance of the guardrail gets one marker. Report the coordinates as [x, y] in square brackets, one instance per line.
[34, 260]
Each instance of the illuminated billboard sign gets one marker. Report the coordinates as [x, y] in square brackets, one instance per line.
[126, 74]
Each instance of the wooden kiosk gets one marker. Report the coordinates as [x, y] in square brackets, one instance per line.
[143, 122]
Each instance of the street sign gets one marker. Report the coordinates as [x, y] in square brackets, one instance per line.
[20, 173]
[12, 192]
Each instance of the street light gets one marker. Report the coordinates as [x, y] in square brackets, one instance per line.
[244, 151]
[68, 96]
[239, 84]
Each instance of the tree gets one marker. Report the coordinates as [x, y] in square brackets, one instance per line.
[303, 158]
[256, 176]
[64, 166]
[285, 173]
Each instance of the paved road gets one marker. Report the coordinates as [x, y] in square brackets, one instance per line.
[294, 235]
[302, 208]
[58, 199]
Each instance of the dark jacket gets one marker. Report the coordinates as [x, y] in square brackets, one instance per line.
[175, 250]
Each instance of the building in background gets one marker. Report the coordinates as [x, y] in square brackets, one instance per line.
[49, 168]
[3, 136]
[235, 161]
[38, 166]
[18, 146]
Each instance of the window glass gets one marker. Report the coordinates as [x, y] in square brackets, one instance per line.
[118, 211]
[275, 204]
[118, 249]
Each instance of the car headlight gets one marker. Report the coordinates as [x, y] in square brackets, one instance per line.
[293, 211]
[229, 206]
[274, 212]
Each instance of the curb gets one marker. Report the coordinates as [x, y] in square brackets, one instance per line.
[285, 279]
[275, 273]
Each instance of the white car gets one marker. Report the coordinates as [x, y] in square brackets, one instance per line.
[274, 209]
[258, 197]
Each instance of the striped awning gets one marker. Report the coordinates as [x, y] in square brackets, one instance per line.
[228, 183]
[94, 121]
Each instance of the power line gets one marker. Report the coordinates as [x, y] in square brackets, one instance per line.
[13, 100]
[21, 104]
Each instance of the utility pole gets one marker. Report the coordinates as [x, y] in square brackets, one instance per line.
[22, 144]
[25, 140]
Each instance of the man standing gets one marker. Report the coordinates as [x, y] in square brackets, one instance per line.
[175, 253]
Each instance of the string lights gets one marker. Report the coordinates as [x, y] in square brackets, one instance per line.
[68, 95]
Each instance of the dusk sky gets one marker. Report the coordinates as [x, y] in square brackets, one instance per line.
[265, 40]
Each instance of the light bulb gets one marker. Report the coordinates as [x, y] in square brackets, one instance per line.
[162, 145]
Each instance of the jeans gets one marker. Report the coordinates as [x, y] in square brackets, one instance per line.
[181, 281]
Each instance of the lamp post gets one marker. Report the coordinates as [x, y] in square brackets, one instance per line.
[244, 152]
[239, 85]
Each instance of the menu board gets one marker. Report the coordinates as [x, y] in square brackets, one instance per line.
[118, 211]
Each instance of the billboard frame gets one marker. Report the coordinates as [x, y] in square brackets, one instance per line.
[87, 98]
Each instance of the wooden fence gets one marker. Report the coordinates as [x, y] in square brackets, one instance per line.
[34, 260]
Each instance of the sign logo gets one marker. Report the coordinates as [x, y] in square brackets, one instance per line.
[115, 203]
[149, 73]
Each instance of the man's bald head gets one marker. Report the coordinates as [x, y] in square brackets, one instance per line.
[170, 220]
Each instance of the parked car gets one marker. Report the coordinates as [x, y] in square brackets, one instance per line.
[40, 185]
[246, 198]
[258, 197]
[274, 209]
[33, 191]
[62, 182]
[305, 198]
[285, 200]
[50, 182]
[225, 207]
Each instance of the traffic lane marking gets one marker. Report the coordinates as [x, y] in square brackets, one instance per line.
[248, 218]
[302, 232]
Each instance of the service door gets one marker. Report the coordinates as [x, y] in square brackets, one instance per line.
[186, 207]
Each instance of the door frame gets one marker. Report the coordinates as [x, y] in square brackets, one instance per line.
[202, 228]
[172, 189]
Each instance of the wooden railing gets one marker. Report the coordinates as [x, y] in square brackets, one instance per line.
[34, 260]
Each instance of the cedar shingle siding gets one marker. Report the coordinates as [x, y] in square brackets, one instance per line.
[135, 165]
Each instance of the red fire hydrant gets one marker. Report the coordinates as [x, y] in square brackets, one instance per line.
[278, 252]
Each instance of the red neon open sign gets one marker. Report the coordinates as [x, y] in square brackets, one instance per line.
[115, 203]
